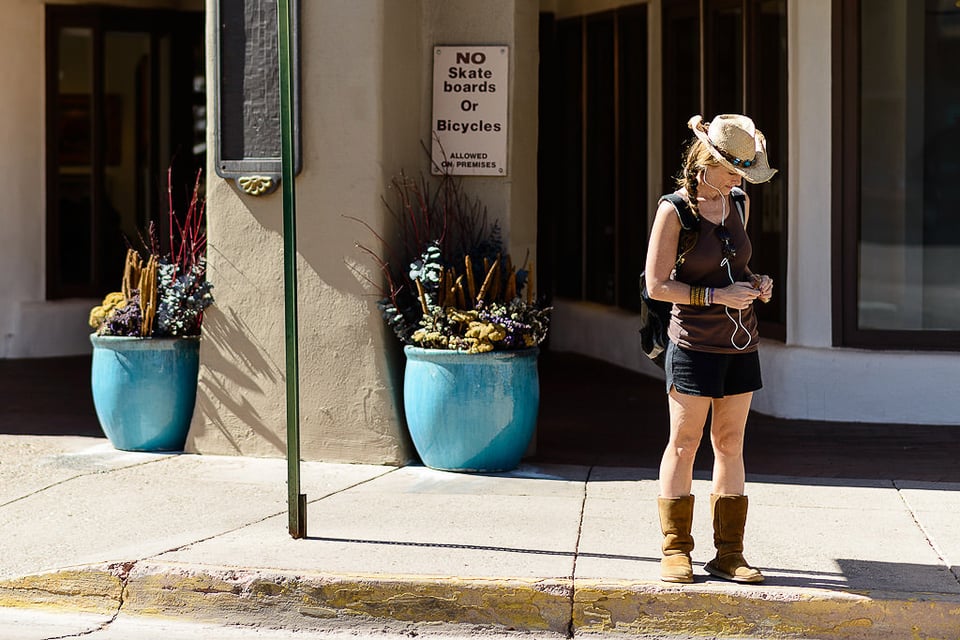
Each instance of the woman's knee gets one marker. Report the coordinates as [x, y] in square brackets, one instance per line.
[728, 425]
[727, 444]
[684, 446]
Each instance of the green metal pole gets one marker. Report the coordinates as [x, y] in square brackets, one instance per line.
[296, 501]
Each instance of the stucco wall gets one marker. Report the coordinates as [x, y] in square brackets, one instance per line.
[21, 163]
[366, 85]
[512, 199]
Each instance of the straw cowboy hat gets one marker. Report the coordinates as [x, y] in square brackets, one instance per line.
[736, 144]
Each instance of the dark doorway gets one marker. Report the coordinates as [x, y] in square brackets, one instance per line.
[592, 162]
[125, 101]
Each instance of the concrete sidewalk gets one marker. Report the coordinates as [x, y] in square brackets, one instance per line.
[567, 550]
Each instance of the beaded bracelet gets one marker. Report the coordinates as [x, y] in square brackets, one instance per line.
[698, 296]
[701, 296]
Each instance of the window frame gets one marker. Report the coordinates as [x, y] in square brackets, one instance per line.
[845, 241]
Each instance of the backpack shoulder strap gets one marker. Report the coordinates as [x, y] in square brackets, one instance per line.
[688, 221]
[740, 198]
[689, 226]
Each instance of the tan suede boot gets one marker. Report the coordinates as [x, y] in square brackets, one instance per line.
[729, 521]
[676, 518]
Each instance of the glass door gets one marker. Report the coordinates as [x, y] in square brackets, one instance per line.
[121, 89]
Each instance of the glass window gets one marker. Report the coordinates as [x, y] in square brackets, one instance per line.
[909, 133]
[599, 166]
[681, 81]
[632, 142]
[593, 150]
[724, 62]
[744, 61]
[767, 104]
[72, 225]
[594, 140]
[126, 85]
[561, 155]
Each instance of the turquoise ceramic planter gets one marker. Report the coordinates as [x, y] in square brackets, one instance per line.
[471, 412]
[144, 390]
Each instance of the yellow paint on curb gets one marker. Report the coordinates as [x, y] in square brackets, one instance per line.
[588, 607]
[89, 590]
[511, 604]
[617, 607]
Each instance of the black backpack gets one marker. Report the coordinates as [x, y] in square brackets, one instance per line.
[655, 314]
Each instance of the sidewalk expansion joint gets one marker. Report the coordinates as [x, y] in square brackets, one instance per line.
[269, 516]
[954, 571]
[64, 481]
[352, 486]
[571, 630]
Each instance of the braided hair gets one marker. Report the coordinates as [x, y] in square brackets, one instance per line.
[696, 157]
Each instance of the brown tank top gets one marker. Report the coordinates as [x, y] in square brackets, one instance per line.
[710, 328]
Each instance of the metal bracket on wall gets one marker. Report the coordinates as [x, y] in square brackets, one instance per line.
[258, 185]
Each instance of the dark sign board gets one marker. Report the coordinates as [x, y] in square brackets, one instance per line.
[246, 119]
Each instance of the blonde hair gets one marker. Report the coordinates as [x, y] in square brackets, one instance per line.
[696, 157]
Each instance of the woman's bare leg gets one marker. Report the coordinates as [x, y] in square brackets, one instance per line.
[727, 428]
[688, 414]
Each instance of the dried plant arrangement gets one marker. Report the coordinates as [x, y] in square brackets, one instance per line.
[447, 283]
[165, 295]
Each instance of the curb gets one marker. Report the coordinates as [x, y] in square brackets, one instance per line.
[84, 589]
[562, 606]
[778, 612]
[295, 600]
[312, 600]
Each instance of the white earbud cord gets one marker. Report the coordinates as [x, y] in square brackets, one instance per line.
[738, 322]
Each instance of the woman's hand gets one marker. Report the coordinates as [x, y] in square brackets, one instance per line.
[738, 295]
[763, 284]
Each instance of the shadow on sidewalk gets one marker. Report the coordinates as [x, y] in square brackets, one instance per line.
[47, 396]
[591, 413]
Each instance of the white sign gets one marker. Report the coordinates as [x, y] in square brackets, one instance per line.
[470, 110]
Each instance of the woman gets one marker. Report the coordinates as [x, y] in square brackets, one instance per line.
[712, 365]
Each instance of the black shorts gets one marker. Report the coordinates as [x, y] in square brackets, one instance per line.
[715, 375]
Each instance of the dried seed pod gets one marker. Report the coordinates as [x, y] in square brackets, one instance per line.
[450, 297]
[488, 281]
[471, 283]
[497, 286]
[510, 291]
[461, 295]
[148, 296]
[131, 274]
[423, 297]
[530, 285]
